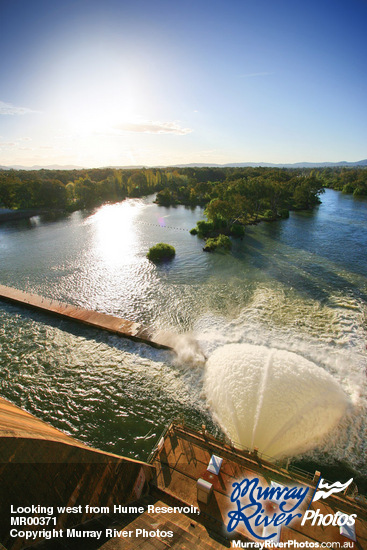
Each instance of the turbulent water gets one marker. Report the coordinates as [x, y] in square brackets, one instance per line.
[291, 296]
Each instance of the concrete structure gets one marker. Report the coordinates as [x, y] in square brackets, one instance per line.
[116, 325]
[42, 466]
[184, 458]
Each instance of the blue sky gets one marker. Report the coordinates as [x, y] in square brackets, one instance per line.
[149, 83]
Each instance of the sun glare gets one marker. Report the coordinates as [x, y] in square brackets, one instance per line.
[95, 114]
[114, 233]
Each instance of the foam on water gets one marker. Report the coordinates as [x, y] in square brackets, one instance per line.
[273, 399]
[186, 347]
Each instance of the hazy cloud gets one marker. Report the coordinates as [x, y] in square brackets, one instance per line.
[154, 127]
[9, 109]
[7, 144]
[18, 144]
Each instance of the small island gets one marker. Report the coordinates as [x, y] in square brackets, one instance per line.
[161, 252]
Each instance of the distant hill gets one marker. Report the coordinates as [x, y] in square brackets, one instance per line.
[360, 163]
[49, 167]
[272, 165]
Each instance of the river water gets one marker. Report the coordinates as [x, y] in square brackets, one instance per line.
[291, 295]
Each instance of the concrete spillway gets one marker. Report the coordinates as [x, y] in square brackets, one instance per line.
[41, 466]
[116, 325]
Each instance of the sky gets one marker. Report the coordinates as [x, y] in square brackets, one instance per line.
[137, 82]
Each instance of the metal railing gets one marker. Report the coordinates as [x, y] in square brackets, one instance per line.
[156, 446]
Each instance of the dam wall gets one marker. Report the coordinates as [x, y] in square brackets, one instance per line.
[40, 465]
[116, 325]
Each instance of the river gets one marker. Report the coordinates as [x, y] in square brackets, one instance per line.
[296, 287]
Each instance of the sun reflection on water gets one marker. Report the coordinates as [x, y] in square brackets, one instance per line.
[115, 238]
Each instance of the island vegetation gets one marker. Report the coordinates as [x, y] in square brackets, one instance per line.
[161, 252]
[222, 241]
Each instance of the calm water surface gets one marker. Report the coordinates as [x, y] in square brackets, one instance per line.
[298, 285]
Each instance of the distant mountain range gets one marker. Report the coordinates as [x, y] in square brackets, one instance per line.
[50, 167]
[356, 164]
[271, 165]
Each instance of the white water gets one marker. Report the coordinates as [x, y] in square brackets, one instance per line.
[185, 345]
[272, 399]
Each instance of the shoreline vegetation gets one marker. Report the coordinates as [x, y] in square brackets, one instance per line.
[232, 197]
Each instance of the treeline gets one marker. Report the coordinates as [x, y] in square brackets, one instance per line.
[74, 189]
[234, 194]
[77, 189]
[249, 190]
[247, 195]
[347, 180]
